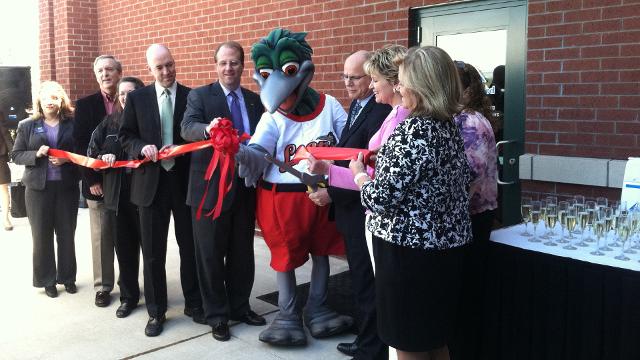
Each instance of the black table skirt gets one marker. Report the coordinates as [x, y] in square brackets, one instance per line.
[538, 306]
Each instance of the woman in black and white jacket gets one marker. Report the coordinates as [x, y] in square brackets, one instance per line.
[419, 203]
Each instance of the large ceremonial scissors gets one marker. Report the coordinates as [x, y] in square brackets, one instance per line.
[313, 182]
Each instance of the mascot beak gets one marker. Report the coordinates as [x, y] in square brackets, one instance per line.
[275, 89]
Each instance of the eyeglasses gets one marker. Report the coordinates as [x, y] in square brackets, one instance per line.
[233, 63]
[350, 78]
[459, 64]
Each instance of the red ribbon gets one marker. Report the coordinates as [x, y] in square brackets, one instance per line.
[332, 153]
[223, 138]
[226, 142]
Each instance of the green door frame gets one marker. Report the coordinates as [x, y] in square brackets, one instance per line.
[472, 16]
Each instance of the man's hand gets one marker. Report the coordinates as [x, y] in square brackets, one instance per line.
[96, 189]
[57, 161]
[109, 159]
[320, 197]
[150, 152]
[320, 167]
[213, 123]
[44, 149]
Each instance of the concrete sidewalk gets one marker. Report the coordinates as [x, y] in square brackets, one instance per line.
[35, 326]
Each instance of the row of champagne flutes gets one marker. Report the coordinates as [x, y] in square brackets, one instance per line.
[598, 217]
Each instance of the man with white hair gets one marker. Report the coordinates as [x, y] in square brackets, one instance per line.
[151, 123]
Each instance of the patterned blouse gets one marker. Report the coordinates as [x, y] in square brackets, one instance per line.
[419, 197]
[480, 146]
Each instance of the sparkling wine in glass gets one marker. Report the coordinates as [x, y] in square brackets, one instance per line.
[563, 208]
[571, 220]
[590, 207]
[525, 211]
[606, 213]
[550, 221]
[583, 218]
[599, 230]
[552, 203]
[535, 219]
[622, 230]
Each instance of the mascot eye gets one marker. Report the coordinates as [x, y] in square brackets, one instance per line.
[290, 68]
[265, 73]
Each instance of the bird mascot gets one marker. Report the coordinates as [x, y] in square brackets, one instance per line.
[292, 226]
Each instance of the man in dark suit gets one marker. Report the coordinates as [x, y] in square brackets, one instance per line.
[151, 122]
[365, 118]
[225, 285]
[89, 113]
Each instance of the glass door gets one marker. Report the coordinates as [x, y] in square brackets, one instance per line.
[491, 36]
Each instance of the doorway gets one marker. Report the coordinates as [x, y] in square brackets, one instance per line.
[490, 35]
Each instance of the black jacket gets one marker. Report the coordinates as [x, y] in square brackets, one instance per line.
[347, 206]
[30, 137]
[141, 126]
[204, 104]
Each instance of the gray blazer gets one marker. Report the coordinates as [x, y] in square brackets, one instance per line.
[29, 138]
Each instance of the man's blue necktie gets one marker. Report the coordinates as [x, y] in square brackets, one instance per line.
[236, 113]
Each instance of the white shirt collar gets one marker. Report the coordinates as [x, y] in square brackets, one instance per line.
[160, 89]
[226, 91]
[364, 101]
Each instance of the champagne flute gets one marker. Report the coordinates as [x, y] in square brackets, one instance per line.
[602, 202]
[598, 226]
[571, 219]
[535, 218]
[583, 218]
[623, 229]
[550, 221]
[525, 211]
[590, 206]
[606, 214]
[614, 224]
[563, 207]
[543, 219]
[579, 204]
[635, 228]
[552, 203]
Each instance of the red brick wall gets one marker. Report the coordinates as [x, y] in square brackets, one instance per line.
[192, 29]
[583, 78]
[68, 44]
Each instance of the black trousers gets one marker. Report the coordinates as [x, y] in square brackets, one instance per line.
[154, 228]
[225, 258]
[124, 227]
[53, 210]
[369, 344]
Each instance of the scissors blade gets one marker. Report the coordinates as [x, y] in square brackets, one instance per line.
[310, 180]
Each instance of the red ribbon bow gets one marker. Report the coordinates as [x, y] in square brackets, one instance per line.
[225, 141]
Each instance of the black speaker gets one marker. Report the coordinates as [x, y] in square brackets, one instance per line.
[15, 93]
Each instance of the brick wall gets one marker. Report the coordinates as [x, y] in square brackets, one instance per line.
[583, 84]
[583, 78]
[192, 29]
[68, 44]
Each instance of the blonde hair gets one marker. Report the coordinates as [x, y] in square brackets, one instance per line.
[66, 109]
[431, 76]
[382, 62]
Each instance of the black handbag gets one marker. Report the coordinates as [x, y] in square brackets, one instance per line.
[18, 208]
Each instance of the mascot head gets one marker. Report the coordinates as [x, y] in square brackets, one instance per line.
[283, 70]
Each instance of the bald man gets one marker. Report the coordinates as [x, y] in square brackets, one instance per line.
[151, 122]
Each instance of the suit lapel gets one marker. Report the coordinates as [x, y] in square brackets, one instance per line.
[152, 104]
[98, 104]
[219, 98]
[359, 120]
[64, 127]
[181, 103]
[40, 134]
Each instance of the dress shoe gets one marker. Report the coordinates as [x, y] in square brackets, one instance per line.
[154, 326]
[196, 313]
[220, 332]
[125, 309]
[103, 298]
[51, 291]
[250, 318]
[71, 288]
[8, 227]
[349, 349]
